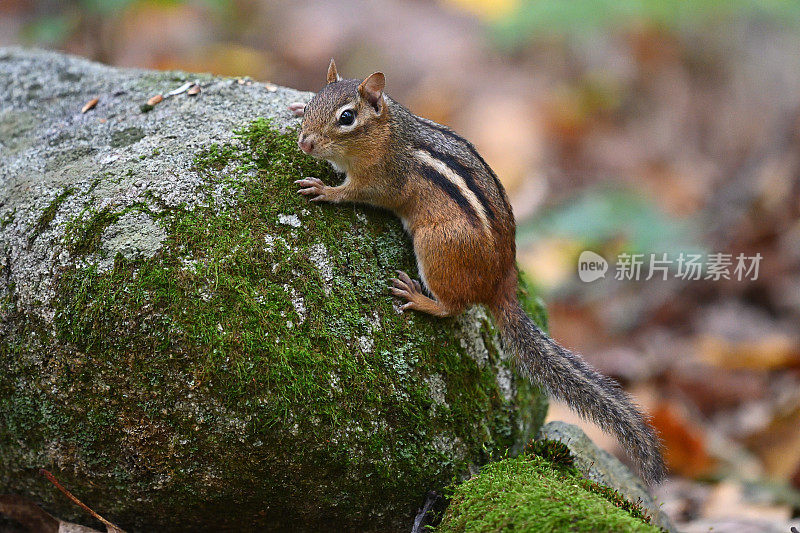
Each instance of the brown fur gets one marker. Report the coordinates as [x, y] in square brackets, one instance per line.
[387, 156]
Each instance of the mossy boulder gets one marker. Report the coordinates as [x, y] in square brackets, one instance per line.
[188, 344]
[540, 491]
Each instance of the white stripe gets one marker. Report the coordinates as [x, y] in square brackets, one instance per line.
[456, 180]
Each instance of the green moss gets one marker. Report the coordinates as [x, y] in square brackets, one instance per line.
[8, 218]
[49, 214]
[560, 457]
[556, 452]
[83, 234]
[532, 303]
[59, 159]
[539, 493]
[126, 137]
[618, 500]
[256, 372]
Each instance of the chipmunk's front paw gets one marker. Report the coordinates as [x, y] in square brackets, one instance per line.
[409, 289]
[297, 108]
[314, 188]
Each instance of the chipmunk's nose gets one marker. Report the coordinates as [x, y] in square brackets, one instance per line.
[305, 144]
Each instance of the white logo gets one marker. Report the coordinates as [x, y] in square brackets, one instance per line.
[591, 266]
[687, 266]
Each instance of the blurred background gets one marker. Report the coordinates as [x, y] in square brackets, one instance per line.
[617, 126]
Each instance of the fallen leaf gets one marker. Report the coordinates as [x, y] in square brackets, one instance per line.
[728, 499]
[183, 88]
[795, 481]
[194, 90]
[772, 351]
[713, 389]
[685, 449]
[154, 100]
[271, 87]
[778, 444]
[90, 105]
[27, 513]
[37, 520]
[491, 10]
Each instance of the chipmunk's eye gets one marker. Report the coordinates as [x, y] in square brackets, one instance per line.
[347, 117]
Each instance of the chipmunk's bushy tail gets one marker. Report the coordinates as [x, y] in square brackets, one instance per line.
[569, 378]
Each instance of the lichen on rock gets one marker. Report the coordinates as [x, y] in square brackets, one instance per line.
[133, 235]
[188, 343]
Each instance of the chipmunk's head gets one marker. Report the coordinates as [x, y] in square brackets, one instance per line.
[346, 120]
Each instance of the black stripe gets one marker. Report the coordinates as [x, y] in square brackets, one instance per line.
[465, 173]
[450, 189]
[450, 133]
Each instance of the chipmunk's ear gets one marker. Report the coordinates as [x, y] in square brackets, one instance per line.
[371, 89]
[332, 74]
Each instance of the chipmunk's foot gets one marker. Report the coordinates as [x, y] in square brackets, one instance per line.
[405, 287]
[297, 108]
[315, 188]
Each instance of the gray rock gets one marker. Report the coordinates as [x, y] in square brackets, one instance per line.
[133, 235]
[600, 466]
[187, 344]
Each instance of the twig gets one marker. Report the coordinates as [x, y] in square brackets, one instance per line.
[422, 514]
[111, 527]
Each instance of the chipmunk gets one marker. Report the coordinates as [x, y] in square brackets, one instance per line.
[457, 213]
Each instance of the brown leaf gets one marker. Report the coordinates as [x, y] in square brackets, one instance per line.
[90, 105]
[772, 351]
[36, 519]
[27, 513]
[778, 445]
[713, 389]
[729, 499]
[193, 90]
[154, 100]
[795, 481]
[685, 448]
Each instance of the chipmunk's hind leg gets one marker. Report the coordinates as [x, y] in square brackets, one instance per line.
[404, 287]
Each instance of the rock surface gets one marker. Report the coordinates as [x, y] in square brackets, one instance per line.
[600, 466]
[187, 344]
